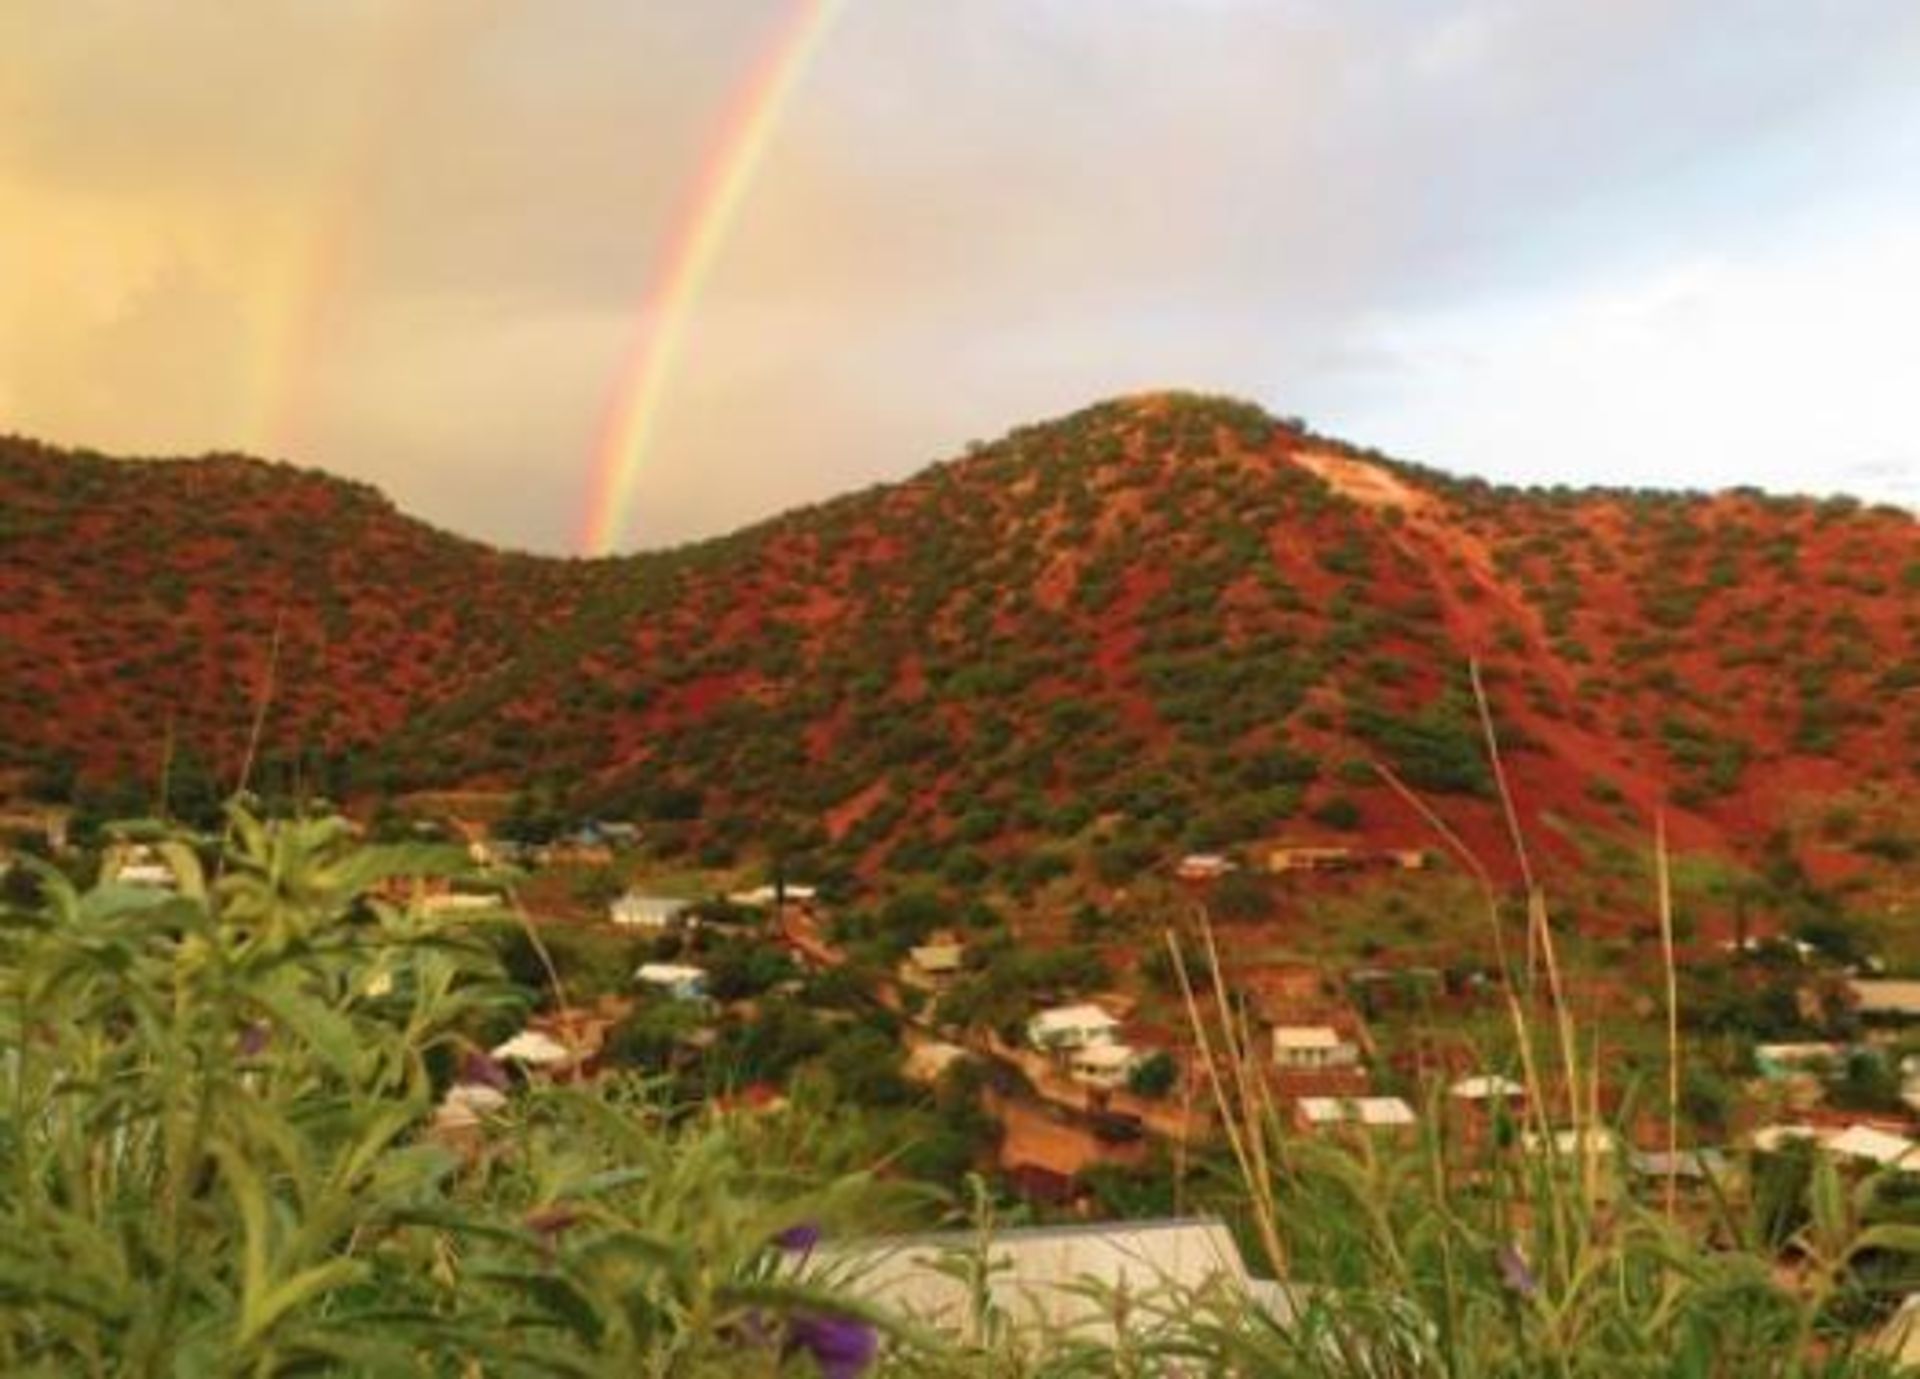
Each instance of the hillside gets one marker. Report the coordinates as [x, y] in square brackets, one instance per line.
[1161, 623]
[140, 603]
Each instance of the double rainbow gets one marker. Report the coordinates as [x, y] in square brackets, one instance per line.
[699, 230]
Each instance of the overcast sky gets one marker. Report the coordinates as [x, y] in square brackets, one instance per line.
[1641, 241]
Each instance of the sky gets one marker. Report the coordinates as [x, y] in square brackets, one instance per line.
[1647, 242]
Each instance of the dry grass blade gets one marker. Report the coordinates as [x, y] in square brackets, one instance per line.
[1259, 1185]
[1664, 875]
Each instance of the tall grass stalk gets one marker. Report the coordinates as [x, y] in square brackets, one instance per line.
[1506, 1258]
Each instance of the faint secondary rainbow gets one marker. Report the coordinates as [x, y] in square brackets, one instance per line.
[311, 301]
[698, 231]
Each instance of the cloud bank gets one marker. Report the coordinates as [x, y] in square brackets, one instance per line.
[1548, 242]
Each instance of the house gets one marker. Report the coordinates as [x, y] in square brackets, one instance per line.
[1753, 944]
[678, 980]
[136, 864]
[1366, 1112]
[660, 913]
[1885, 1000]
[1312, 1048]
[1045, 1282]
[1898, 1341]
[1777, 1062]
[1203, 866]
[1868, 1144]
[933, 966]
[1487, 1089]
[1859, 1142]
[1690, 1167]
[1291, 857]
[1294, 858]
[153, 875]
[1593, 1152]
[467, 1104]
[1104, 1067]
[765, 897]
[1071, 1027]
[535, 1052]
[927, 1063]
[459, 902]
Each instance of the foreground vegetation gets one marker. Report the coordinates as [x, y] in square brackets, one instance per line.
[216, 1158]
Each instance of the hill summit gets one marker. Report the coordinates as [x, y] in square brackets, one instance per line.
[1164, 623]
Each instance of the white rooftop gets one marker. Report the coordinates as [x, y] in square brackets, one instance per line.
[1882, 1147]
[1306, 1037]
[1595, 1140]
[1365, 1110]
[1085, 1016]
[1802, 1052]
[761, 896]
[1486, 1087]
[1044, 1280]
[669, 973]
[938, 957]
[1886, 996]
[929, 1062]
[532, 1047]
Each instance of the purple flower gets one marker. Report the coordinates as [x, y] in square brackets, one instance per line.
[255, 1038]
[842, 1347]
[799, 1239]
[1515, 1273]
[478, 1068]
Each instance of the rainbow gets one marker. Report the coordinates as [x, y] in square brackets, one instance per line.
[698, 231]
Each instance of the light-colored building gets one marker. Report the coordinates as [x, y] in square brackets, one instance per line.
[1047, 1281]
[1799, 1059]
[678, 980]
[928, 1062]
[1885, 998]
[1486, 1089]
[934, 965]
[1593, 1142]
[1366, 1112]
[467, 1104]
[1872, 1145]
[1594, 1154]
[1105, 1067]
[136, 864]
[459, 902]
[764, 897]
[1692, 1167]
[532, 1049]
[1203, 866]
[660, 913]
[1899, 1340]
[1072, 1027]
[1859, 1142]
[1292, 858]
[1312, 1048]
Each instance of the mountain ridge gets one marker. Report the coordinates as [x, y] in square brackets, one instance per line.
[1161, 622]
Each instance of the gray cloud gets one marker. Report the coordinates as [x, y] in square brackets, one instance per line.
[973, 214]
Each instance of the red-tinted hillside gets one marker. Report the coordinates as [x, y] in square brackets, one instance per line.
[1162, 623]
[140, 604]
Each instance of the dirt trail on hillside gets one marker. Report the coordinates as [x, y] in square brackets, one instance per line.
[1430, 535]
